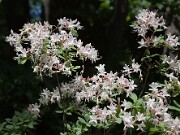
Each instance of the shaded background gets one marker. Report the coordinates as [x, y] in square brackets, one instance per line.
[106, 26]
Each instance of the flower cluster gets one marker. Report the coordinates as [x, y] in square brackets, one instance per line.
[99, 115]
[103, 86]
[148, 20]
[147, 24]
[157, 106]
[50, 48]
[173, 65]
[105, 98]
[134, 68]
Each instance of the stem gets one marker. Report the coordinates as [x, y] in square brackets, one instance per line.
[89, 131]
[130, 131]
[144, 86]
[125, 132]
[59, 87]
[61, 100]
[110, 128]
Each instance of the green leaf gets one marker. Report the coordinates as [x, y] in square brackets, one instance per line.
[134, 97]
[30, 125]
[14, 120]
[139, 102]
[153, 129]
[174, 108]
[81, 120]
[119, 120]
[74, 32]
[68, 113]
[105, 4]
[59, 111]
[177, 104]
[147, 52]
[78, 132]
[9, 126]
[22, 60]
[159, 30]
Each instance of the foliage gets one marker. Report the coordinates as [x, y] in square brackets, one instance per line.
[105, 99]
[19, 124]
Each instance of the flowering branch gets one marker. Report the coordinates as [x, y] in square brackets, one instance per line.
[106, 98]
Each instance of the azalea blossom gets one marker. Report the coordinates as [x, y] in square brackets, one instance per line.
[49, 48]
[172, 40]
[34, 109]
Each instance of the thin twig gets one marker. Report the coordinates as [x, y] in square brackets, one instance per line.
[144, 86]
[61, 98]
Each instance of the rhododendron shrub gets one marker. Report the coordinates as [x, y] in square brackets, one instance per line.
[105, 99]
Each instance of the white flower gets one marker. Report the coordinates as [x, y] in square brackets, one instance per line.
[151, 104]
[167, 117]
[135, 66]
[154, 86]
[49, 47]
[147, 19]
[127, 70]
[93, 119]
[156, 40]
[67, 70]
[131, 86]
[45, 96]
[128, 120]
[55, 96]
[140, 117]
[171, 76]
[55, 37]
[126, 104]
[141, 126]
[142, 43]
[101, 68]
[68, 23]
[13, 38]
[112, 109]
[34, 109]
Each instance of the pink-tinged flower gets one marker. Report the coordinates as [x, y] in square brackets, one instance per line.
[88, 52]
[172, 40]
[147, 20]
[49, 47]
[123, 82]
[99, 115]
[69, 24]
